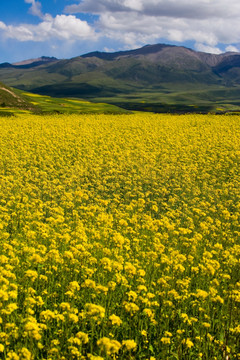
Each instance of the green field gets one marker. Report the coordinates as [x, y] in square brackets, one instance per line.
[47, 104]
[14, 101]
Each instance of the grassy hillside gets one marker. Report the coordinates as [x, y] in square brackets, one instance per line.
[105, 100]
[156, 78]
[216, 99]
[48, 104]
[14, 101]
[11, 98]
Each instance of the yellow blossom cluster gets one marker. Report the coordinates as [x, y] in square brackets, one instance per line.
[119, 237]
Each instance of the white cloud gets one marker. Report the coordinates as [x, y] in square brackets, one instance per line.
[206, 22]
[207, 48]
[106, 49]
[177, 30]
[170, 8]
[210, 24]
[21, 33]
[65, 27]
[231, 48]
[36, 7]
[133, 4]
[2, 26]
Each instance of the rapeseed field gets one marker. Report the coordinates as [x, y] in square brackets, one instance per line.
[120, 237]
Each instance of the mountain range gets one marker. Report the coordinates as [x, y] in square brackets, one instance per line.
[155, 77]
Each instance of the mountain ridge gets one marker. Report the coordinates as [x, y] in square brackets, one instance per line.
[145, 50]
[42, 59]
[160, 73]
[151, 49]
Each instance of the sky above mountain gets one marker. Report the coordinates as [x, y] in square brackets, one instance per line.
[67, 28]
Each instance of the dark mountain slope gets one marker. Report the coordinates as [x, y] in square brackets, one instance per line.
[147, 66]
[115, 77]
[145, 50]
[34, 62]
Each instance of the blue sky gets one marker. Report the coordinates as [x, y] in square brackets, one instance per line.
[68, 28]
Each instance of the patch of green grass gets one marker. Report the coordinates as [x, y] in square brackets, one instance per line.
[47, 104]
[199, 100]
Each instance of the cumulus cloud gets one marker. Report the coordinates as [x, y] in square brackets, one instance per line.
[36, 8]
[207, 48]
[170, 8]
[2, 26]
[232, 48]
[65, 27]
[206, 22]
[210, 24]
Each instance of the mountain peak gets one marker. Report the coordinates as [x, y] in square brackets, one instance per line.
[161, 71]
[145, 50]
[42, 59]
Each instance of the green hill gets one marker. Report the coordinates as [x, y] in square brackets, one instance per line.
[11, 98]
[14, 101]
[155, 77]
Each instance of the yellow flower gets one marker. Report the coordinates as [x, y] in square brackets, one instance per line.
[112, 285]
[89, 284]
[206, 325]
[166, 340]
[65, 306]
[4, 295]
[148, 312]
[110, 347]
[73, 286]
[11, 355]
[167, 333]
[180, 331]
[129, 344]
[131, 307]
[130, 269]
[33, 329]
[93, 311]
[93, 357]
[73, 318]
[25, 354]
[53, 351]
[55, 342]
[75, 341]
[74, 351]
[31, 274]
[123, 222]
[47, 315]
[141, 272]
[201, 294]
[188, 343]
[10, 308]
[142, 288]
[115, 320]
[83, 337]
[101, 289]
[132, 296]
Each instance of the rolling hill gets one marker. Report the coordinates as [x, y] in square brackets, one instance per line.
[155, 77]
[14, 101]
[11, 98]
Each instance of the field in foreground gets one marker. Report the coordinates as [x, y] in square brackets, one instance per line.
[120, 237]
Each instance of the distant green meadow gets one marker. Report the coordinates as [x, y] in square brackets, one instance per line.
[41, 104]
